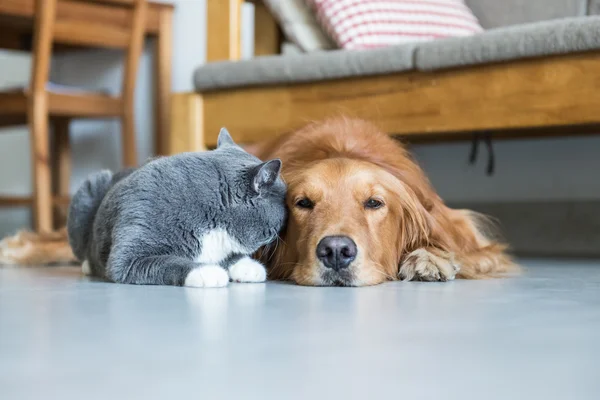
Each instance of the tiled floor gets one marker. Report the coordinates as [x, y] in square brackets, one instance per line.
[535, 337]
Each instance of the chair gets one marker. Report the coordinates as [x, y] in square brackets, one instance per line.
[40, 104]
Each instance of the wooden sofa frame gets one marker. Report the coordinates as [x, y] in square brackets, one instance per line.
[536, 97]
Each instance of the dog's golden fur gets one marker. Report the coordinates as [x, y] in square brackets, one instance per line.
[341, 163]
[27, 248]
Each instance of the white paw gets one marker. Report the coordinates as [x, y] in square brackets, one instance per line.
[247, 270]
[423, 265]
[207, 276]
[85, 268]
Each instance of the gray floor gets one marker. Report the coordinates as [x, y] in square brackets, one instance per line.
[534, 337]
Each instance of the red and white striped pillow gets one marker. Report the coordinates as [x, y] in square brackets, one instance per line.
[359, 24]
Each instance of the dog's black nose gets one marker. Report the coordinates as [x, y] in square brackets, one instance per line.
[336, 252]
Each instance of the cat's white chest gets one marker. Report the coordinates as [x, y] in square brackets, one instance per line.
[217, 245]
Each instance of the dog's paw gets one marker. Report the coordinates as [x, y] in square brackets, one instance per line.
[423, 265]
[247, 270]
[208, 276]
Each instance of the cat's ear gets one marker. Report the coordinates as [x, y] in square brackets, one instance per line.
[225, 138]
[265, 175]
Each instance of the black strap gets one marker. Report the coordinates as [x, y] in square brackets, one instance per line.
[487, 138]
[474, 149]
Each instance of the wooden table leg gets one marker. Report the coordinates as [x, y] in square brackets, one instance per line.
[162, 81]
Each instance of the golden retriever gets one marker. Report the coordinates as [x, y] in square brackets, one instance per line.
[28, 248]
[362, 212]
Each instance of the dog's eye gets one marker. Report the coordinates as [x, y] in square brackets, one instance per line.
[305, 203]
[373, 204]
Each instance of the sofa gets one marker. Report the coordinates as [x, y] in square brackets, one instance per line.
[534, 71]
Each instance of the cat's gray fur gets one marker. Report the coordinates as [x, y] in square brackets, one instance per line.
[146, 226]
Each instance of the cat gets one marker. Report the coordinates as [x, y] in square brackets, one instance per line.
[191, 219]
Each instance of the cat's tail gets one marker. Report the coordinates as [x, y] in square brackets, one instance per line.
[83, 209]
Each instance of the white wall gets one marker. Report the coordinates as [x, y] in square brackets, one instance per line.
[545, 169]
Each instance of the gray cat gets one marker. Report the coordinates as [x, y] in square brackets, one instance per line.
[192, 219]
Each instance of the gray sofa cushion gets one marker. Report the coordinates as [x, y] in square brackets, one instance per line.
[498, 13]
[555, 37]
[271, 70]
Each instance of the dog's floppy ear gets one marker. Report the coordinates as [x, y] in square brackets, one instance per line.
[415, 224]
[265, 175]
[225, 139]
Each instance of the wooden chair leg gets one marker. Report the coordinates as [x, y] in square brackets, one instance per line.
[42, 193]
[61, 168]
[128, 138]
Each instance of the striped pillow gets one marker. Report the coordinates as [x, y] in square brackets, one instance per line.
[359, 24]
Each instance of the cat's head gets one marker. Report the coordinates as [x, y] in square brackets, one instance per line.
[252, 195]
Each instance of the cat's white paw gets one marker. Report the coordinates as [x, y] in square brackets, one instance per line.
[85, 268]
[207, 276]
[247, 270]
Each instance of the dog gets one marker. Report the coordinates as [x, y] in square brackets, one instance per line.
[362, 212]
[28, 248]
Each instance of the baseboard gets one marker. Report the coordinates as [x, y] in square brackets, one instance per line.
[565, 229]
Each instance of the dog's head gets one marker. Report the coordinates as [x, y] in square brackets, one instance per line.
[355, 204]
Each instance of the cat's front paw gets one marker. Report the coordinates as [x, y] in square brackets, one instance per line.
[85, 268]
[247, 270]
[207, 276]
